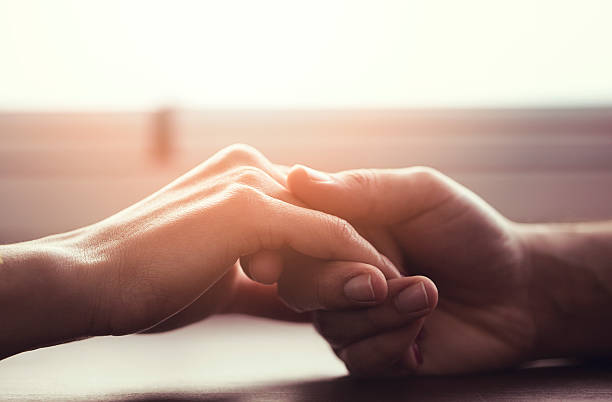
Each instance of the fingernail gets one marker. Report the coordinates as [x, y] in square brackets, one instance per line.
[360, 289]
[412, 299]
[317, 176]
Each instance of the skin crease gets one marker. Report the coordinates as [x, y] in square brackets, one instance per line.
[131, 315]
[173, 258]
[430, 225]
[493, 293]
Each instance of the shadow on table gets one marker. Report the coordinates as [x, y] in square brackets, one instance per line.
[592, 382]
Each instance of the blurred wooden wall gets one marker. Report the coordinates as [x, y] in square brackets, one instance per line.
[61, 171]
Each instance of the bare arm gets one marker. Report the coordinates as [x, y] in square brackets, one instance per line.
[571, 266]
[172, 259]
[507, 292]
[44, 298]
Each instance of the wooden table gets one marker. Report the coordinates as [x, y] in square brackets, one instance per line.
[246, 359]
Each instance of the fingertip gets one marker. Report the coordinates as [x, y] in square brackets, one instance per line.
[379, 284]
[297, 169]
[414, 295]
[266, 267]
[431, 290]
[300, 175]
[296, 177]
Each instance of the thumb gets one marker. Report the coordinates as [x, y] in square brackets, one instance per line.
[382, 195]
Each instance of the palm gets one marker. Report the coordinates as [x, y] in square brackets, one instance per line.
[470, 252]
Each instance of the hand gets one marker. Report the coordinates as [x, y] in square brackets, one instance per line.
[184, 242]
[428, 225]
[172, 258]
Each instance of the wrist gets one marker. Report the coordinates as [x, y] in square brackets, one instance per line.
[45, 295]
[570, 289]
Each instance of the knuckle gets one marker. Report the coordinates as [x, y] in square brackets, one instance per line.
[240, 154]
[341, 228]
[361, 177]
[229, 157]
[250, 176]
[232, 156]
[426, 176]
[365, 179]
[242, 195]
[434, 186]
[248, 206]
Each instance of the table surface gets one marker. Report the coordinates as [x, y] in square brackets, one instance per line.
[247, 359]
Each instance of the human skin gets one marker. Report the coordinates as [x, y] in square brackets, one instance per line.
[172, 258]
[508, 293]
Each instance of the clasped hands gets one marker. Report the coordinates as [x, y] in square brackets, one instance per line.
[405, 271]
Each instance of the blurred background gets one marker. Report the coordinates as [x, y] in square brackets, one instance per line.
[103, 102]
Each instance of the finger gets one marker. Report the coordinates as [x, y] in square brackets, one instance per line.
[260, 300]
[388, 353]
[264, 266]
[269, 264]
[233, 161]
[238, 155]
[409, 298]
[251, 167]
[385, 196]
[331, 285]
[261, 179]
[274, 224]
[385, 242]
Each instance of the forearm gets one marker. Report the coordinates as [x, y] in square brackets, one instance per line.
[44, 295]
[571, 266]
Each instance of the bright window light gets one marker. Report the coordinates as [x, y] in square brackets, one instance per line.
[288, 54]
